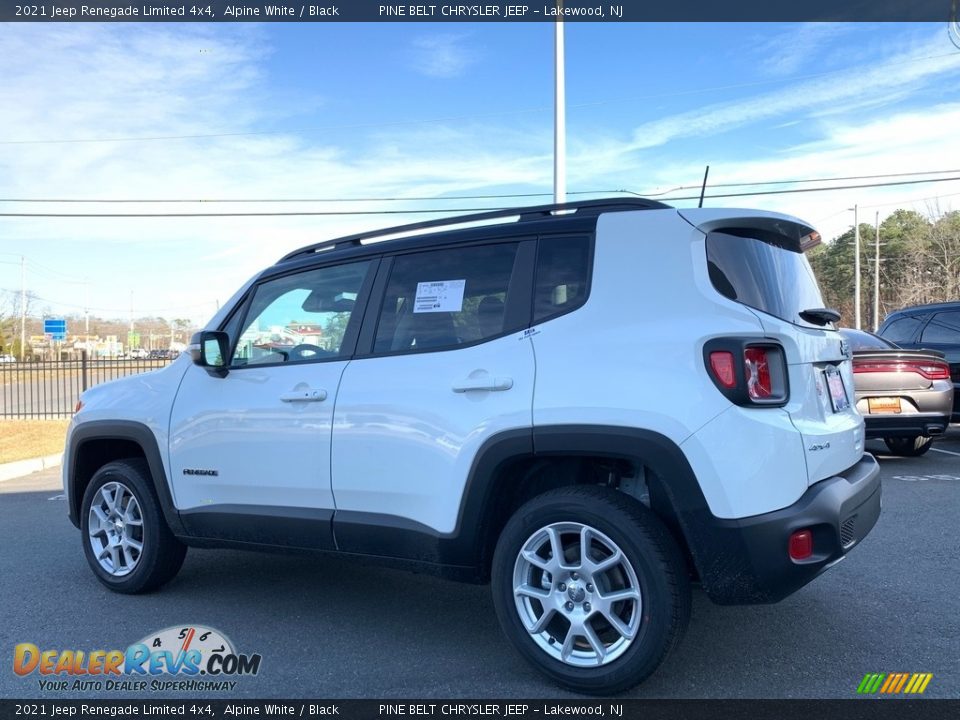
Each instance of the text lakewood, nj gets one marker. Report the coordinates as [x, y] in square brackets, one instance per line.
[505, 11]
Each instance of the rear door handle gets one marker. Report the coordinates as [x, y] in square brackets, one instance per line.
[486, 382]
[304, 396]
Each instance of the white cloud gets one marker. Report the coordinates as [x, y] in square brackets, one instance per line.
[787, 52]
[442, 55]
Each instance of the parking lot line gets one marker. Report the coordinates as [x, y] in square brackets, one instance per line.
[948, 452]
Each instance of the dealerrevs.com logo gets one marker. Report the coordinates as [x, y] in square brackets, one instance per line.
[188, 658]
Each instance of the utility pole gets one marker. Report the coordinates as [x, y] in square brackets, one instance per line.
[876, 277]
[86, 314]
[856, 267]
[559, 115]
[23, 306]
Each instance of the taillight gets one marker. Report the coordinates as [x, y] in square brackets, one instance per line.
[759, 383]
[748, 372]
[930, 369]
[721, 362]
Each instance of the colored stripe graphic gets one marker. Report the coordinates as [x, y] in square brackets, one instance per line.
[894, 683]
[903, 680]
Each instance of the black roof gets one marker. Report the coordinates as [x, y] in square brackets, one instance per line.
[921, 309]
[532, 219]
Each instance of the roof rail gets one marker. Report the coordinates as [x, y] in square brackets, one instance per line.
[527, 214]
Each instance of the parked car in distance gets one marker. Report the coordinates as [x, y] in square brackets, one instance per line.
[7, 359]
[932, 327]
[905, 396]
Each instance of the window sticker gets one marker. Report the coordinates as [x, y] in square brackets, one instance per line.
[440, 296]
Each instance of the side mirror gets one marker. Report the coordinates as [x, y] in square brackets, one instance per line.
[210, 349]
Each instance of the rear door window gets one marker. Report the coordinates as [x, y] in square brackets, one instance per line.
[763, 275]
[442, 299]
[902, 330]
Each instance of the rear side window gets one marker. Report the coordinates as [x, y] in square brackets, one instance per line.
[441, 299]
[563, 274]
[943, 329]
[762, 275]
[902, 330]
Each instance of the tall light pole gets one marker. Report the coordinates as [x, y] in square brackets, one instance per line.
[856, 268]
[559, 115]
[23, 306]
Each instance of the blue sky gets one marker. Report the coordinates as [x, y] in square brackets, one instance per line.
[434, 109]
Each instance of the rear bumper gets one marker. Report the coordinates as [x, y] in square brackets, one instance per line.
[747, 562]
[881, 426]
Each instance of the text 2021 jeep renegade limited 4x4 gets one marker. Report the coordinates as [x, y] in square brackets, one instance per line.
[588, 409]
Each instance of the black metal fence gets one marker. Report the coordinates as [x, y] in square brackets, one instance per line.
[46, 390]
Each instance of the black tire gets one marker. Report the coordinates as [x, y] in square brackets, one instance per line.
[162, 554]
[908, 446]
[655, 560]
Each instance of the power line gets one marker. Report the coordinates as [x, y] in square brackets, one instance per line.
[499, 196]
[473, 116]
[309, 200]
[816, 189]
[427, 211]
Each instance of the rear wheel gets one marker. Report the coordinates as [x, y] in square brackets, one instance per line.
[909, 446]
[590, 588]
[125, 538]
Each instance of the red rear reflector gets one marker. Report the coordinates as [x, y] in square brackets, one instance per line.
[800, 546]
[929, 369]
[759, 384]
[721, 362]
[79, 405]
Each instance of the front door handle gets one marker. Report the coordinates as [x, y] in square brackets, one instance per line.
[486, 382]
[304, 396]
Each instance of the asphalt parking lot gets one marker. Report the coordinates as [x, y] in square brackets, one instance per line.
[329, 628]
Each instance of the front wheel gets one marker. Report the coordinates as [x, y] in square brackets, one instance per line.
[908, 446]
[590, 588]
[125, 538]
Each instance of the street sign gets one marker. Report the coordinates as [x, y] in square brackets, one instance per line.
[56, 328]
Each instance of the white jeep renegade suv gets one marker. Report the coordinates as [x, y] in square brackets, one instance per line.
[587, 409]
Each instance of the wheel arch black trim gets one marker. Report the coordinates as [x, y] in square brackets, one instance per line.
[130, 431]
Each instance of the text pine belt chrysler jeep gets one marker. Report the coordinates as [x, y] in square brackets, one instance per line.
[589, 409]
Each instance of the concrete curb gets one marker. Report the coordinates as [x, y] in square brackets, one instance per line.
[9, 471]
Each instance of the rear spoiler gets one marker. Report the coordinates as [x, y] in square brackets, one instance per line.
[799, 235]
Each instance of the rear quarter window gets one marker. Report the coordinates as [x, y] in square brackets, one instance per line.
[943, 329]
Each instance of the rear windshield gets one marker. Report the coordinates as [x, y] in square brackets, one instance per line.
[861, 340]
[762, 275]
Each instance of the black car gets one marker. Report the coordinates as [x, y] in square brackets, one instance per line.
[932, 327]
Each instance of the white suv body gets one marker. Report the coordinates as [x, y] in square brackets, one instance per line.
[472, 401]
